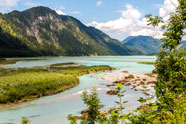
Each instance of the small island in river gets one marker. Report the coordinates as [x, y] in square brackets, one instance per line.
[24, 84]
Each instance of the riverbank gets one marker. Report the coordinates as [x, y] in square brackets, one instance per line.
[7, 61]
[148, 63]
[25, 84]
[134, 81]
[38, 96]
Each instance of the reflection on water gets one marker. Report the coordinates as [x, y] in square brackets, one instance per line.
[54, 109]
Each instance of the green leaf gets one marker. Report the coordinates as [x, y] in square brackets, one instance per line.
[119, 85]
[142, 100]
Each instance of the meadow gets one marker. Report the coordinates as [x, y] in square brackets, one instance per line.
[22, 84]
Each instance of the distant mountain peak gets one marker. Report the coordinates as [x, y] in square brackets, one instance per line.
[146, 44]
[39, 8]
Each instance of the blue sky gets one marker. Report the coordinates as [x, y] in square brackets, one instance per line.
[97, 13]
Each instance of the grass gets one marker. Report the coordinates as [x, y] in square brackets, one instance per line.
[63, 64]
[6, 62]
[80, 70]
[27, 85]
[18, 85]
[149, 63]
[149, 74]
[8, 72]
[14, 60]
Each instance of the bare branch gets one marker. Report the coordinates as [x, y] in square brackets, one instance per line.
[183, 74]
[155, 40]
[173, 4]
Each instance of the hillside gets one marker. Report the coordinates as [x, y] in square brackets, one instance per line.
[145, 44]
[40, 31]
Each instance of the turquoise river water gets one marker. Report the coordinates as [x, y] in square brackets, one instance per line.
[54, 109]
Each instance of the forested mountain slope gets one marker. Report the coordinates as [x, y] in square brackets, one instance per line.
[40, 31]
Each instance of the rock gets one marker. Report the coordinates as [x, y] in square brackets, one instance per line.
[128, 84]
[135, 90]
[115, 82]
[110, 85]
[137, 79]
[129, 77]
[125, 71]
[124, 82]
[112, 92]
[121, 81]
[144, 79]
[151, 82]
[142, 83]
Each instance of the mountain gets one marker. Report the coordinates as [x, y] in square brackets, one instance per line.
[145, 44]
[40, 31]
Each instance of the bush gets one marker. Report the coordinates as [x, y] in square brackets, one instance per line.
[171, 69]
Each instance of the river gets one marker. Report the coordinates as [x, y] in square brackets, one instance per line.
[54, 109]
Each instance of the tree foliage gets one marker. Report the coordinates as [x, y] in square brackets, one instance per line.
[25, 120]
[95, 116]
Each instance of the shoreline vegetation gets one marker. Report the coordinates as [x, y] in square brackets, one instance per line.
[25, 84]
[7, 61]
[148, 63]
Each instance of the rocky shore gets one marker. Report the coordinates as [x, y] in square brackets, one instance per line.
[134, 81]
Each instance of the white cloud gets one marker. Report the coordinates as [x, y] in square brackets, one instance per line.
[129, 24]
[99, 3]
[8, 3]
[167, 8]
[131, 12]
[132, 23]
[60, 12]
